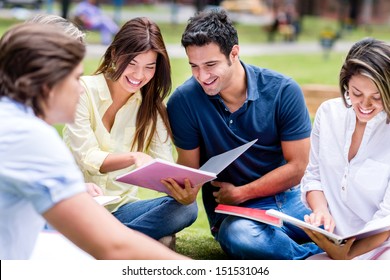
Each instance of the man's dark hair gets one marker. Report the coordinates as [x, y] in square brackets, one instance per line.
[211, 26]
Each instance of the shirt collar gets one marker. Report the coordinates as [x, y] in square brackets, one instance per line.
[21, 107]
[104, 91]
[251, 81]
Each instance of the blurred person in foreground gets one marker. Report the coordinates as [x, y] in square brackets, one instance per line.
[39, 180]
[225, 104]
[347, 181]
[72, 30]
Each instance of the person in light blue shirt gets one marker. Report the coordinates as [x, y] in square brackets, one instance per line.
[40, 69]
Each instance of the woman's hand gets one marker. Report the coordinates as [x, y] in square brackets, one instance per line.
[93, 189]
[336, 252]
[141, 159]
[321, 217]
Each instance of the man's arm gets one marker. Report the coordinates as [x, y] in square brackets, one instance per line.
[189, 158]
[280, 179]
[92, 228]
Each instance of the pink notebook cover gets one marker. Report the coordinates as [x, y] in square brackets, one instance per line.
[249, 213]
[150, 175]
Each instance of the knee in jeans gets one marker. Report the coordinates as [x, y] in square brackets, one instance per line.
[192, 211]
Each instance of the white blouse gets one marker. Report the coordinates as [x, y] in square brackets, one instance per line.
[358, 191]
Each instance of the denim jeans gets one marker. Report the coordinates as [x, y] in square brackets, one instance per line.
[157, 217]
[248, 239]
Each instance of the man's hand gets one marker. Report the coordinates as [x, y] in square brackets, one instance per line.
[186, 195]
[227, 194]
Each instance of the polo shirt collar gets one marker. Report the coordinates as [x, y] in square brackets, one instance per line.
[251, 80]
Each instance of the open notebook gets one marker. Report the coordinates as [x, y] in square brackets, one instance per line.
[375, 228]
[150, 175]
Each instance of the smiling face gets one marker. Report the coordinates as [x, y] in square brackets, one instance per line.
[138, 72]
[365, 98]
[211, 68]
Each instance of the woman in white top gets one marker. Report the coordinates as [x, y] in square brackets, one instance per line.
[121, 123]
[347, 181]
[40, 68]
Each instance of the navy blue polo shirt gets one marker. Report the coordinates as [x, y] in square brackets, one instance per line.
[274, 111]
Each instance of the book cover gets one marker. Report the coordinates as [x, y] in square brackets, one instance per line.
[249, 213]
[106, 199]
[377, 227]
[150, 175]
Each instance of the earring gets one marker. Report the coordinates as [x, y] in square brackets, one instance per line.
[111, 70]
[113, 66]
[347, 98]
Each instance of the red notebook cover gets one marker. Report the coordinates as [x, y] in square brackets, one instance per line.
[249, 213]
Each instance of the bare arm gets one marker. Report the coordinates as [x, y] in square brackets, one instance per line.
[118, 161]
[92, 228]
[189, 158]
[279, 180]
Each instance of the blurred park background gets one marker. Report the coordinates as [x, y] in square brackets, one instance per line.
[304, 39]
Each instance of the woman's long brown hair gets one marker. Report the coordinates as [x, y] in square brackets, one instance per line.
[137, 36]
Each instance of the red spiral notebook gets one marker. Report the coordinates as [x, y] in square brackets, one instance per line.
[249, 213]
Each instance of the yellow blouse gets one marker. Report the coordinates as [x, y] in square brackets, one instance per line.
[91, 143]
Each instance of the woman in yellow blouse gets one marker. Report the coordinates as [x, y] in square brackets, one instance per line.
[121, 123]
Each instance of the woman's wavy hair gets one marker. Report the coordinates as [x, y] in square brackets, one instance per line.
[138, 36]
[371, 58]
[33, 59]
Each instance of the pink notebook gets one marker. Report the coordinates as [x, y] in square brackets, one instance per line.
[150, 175]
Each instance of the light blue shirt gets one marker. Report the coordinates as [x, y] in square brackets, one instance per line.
[36, 171]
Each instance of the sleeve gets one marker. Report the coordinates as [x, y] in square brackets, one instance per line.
[183, 122]
[384, 206]
[161, 146]
[44, 171]
[311, 179]
[294, 118]
[81, 138]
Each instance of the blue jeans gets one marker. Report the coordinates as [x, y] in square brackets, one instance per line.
[157, 217]
[247, 239]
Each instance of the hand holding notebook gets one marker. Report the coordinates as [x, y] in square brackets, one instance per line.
[150, 175]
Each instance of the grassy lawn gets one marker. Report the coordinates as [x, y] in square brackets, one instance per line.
[196, 241]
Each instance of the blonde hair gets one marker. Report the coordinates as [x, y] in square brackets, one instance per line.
[68, 27]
